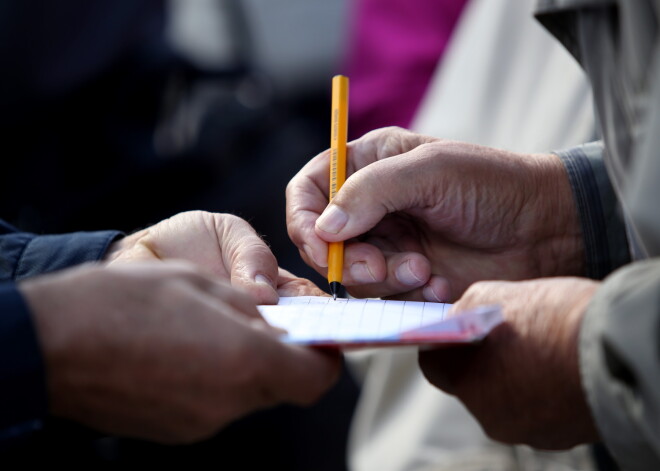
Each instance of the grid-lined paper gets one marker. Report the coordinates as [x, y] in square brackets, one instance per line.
[310, 320]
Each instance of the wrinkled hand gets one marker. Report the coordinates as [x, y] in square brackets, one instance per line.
[163, 351]
[522, 383]
[425, 218]
[289, 284]
[222, 244]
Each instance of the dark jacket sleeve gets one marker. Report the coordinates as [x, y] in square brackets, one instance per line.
[604, 229]
[22, 255]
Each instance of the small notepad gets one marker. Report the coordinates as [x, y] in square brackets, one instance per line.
[322, 321]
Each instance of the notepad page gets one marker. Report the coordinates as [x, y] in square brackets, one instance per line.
[312, 318]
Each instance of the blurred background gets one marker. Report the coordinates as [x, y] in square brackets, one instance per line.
[117, 114]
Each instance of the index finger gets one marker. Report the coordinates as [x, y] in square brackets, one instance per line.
[381, 144]
[306, 198]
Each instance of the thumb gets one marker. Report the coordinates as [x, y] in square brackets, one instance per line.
[370, 194]
[252, 266]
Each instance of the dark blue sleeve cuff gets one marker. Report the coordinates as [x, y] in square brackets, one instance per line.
[49, 253]
[23, 395]
[601, 220]
[22, 383]
[23, 255]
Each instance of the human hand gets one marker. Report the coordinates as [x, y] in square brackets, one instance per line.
[424, 218]
[222, 244]
[163, 351]
[289, 284]
[522, 383]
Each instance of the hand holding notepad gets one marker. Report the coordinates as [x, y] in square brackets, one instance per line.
[321, 321]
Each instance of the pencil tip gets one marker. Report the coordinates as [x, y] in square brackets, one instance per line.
[335, 286]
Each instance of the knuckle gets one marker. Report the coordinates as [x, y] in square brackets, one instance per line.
[229, 219]
[225, 225]
[257, 246]
[291, 189]
[387, 132]
[252, 251]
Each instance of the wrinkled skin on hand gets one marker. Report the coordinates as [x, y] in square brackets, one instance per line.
[164, 340]
[224, 245]
[424, 218]
[163, 351]
[522, 383]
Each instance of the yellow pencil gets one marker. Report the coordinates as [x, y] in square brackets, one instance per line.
[338, 138]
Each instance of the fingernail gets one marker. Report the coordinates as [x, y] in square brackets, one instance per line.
[360, 272]
[430, 295]
[332, 220]
[263, 280]
[405, 275]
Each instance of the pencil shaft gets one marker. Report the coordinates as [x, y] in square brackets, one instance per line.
[338, 139]
[338, 134]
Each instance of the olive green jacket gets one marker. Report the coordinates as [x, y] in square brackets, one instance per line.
[617, 44]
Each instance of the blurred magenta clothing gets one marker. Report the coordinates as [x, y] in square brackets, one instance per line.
[393, 50]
